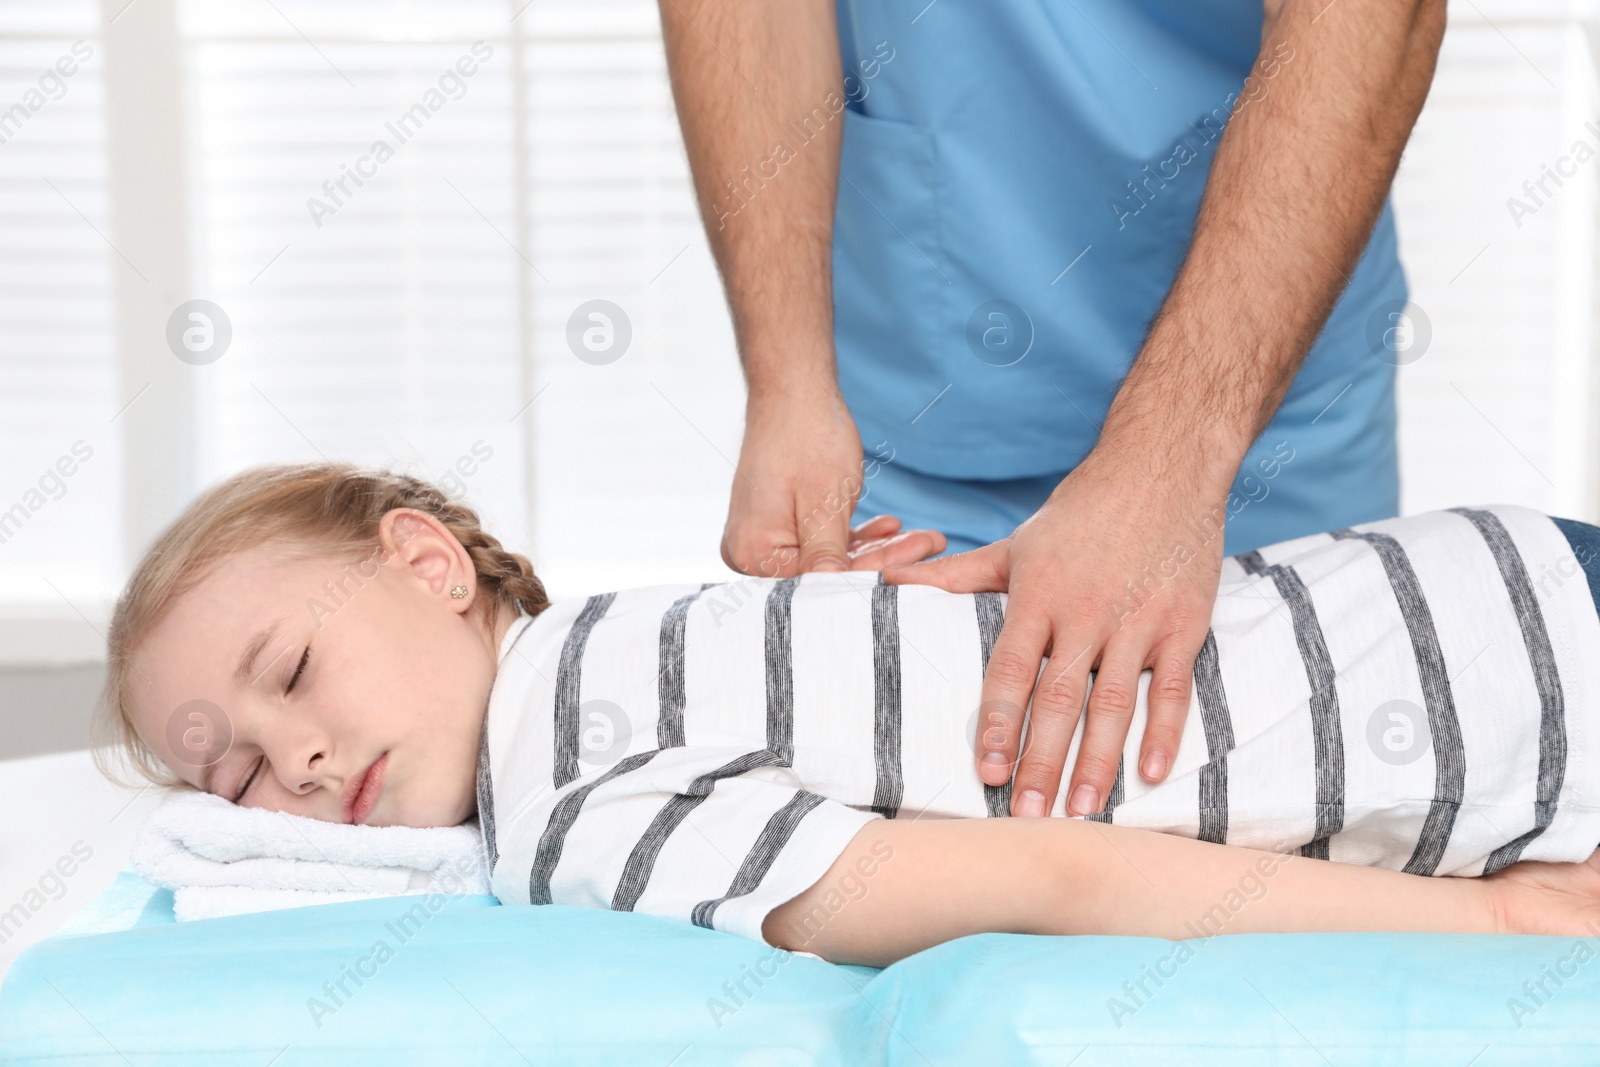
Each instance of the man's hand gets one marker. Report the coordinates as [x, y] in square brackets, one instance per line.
[800, 474]
[1299, 177]
[740, 72]
[879, 543]
[1113, 572]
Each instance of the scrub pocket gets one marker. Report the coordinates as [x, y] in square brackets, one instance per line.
[889, 278]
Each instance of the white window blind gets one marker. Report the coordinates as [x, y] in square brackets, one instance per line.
[634, 458]
[374, 318]
[414, 326]
[1501, 406]
[57, 531]
[424, 322]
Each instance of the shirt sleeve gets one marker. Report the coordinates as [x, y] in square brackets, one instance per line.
[717, 837]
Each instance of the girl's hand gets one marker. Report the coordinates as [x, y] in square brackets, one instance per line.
[1536, 897]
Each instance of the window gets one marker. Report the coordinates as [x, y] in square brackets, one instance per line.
[430, 305]
[1500, 408]
[57, 362]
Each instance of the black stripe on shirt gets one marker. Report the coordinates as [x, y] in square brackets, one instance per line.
[642, 860]
[1113, 800]
[1218, 724]
[568, 676]
[671, 680]
[1444, 727]
[1327, 729]
[1546, 679]
[886, 725]
[780, 669]
[486, 799]
[758, 861]
[562, 816]
[779, 664]
[486, 772]
[997, 798]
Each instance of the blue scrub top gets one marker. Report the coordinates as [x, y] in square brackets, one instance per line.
[1018, 186]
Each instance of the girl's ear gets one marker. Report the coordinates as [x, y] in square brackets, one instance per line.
[418, 544]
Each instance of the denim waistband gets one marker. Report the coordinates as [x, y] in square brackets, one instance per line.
[1585, 541]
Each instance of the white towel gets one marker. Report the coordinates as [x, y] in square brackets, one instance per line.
[223, 859]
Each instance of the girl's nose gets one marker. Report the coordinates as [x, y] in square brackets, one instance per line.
[299, 757]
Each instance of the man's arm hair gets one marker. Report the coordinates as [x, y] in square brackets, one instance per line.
[744, 76]
[1299, 179]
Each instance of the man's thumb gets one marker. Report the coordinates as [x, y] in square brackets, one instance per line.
[827, 549]
[980, 570]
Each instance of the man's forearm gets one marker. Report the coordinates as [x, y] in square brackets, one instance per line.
[753, 84]
[1298, 181]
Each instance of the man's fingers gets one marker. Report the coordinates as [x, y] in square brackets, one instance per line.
[1052, 720]
[761, 555]
[980, 570]
[874, 529]
[905, 547]
[1112, 697]
[1056, 695]
[1007, 686]
[1171, 689]
[824, 537]
[774, 553]
[727, 554]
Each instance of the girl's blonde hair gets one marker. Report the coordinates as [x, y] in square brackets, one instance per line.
[307, 510]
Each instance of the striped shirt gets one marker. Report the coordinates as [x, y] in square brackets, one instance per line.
[1415, 693]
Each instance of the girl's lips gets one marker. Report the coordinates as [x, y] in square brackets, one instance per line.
[362, 792]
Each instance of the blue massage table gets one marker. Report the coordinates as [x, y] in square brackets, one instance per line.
[471, 982]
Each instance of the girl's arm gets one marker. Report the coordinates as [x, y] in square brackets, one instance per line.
[902, 886]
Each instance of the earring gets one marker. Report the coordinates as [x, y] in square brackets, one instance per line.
[458, 592]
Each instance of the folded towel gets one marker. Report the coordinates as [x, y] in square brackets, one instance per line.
[222, 859]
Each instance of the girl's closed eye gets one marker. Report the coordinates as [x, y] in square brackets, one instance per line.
[255, 770]
[304, 659]
[261, 763]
